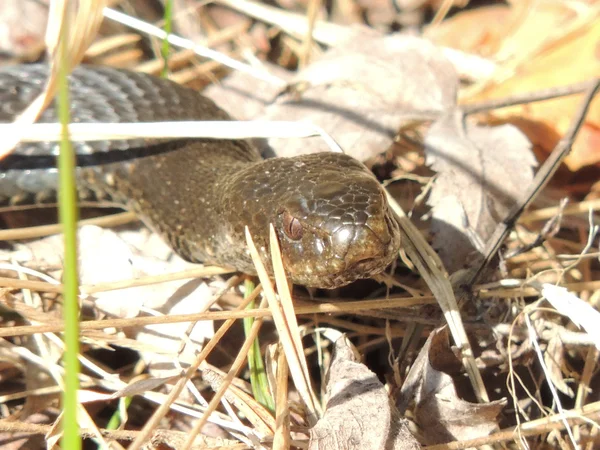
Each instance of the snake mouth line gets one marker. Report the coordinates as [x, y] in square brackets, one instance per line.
[363, 263]
[367, 267]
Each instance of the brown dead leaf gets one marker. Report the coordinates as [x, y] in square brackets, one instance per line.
[362, 91]
[554, 357]
[441, 415]
[481, 172]
[538, 45]
[244, 96]
[359, 93]
[359, 414]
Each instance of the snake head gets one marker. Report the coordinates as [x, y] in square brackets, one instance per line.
[331, 217]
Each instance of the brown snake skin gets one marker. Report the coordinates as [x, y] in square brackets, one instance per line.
[330, 213]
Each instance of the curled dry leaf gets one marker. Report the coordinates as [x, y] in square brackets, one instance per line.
[362, 91]
[554, 357]
[441, 415]
[481, 172]
[359, 414]
[359, 93]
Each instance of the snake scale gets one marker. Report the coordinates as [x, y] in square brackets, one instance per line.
[330, 213]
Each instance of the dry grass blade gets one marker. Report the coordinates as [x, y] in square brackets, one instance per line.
[533, 338]
[295, 24]
[583, 207]
[286, 325]
[164, 407]
[313, 8]
[15, 234]
[260, 418]
[86, 18]
[218, 38]
[178, 41]
[323, 308]
[40, 286]
[230, 129]
[161, 437]
[536, 427]
[111, 43]
[239, 361]
[431, 269]
[291, 323]
[282, 410]
[583, 390]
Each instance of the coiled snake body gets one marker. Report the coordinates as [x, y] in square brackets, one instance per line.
[330, 213]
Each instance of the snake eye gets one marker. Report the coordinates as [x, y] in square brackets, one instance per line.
[292, 227]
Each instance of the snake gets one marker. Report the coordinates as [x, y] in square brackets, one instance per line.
[330, 214]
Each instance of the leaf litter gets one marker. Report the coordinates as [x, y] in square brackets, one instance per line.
[356, 397]
[363, 91]
[438, 408]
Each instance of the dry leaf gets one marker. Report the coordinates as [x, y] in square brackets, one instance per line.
[106, 256]
[359, 414]
[22, 28]
[481, 173]
[476, 30]
[245, 97]
[554, 357]
[574, 60]
[538, 45]
[362, 91]
[359, 93]
[441, 415]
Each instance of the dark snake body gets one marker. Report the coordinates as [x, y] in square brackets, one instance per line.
[331, 216]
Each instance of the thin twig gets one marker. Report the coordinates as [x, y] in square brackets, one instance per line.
[530, 97]
[540, 180]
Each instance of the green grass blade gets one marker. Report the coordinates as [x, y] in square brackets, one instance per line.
[258, 375]
[68, 216]
[166, 47]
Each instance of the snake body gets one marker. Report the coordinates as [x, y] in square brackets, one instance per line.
[330, 213]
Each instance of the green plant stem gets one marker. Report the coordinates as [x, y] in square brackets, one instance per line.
[258, 375]
[165, 47]
[67, 200]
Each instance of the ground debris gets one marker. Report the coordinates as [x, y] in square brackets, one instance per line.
[359, 413]
[441, 415]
